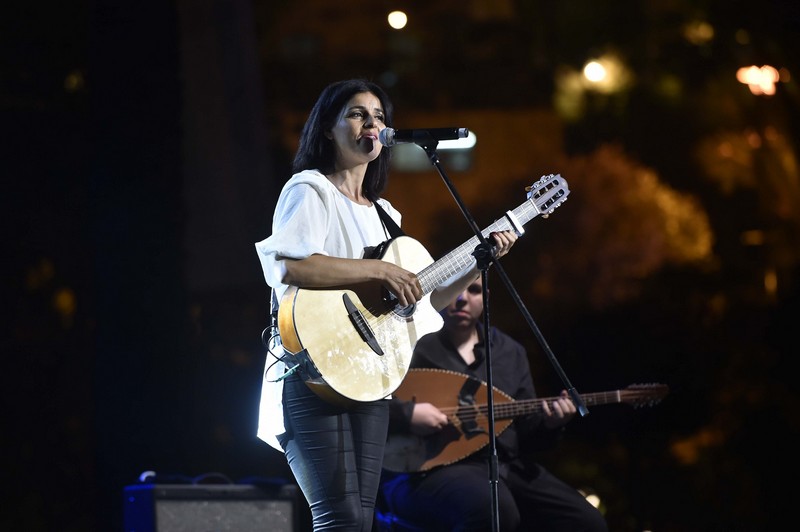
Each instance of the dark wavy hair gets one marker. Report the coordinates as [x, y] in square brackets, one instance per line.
[316, 151]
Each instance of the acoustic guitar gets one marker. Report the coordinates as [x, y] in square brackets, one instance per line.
[463, 399]
[355, 343]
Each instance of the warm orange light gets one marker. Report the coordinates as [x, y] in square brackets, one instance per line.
[698, 32]
[761, 81]
[771, 281]
[753, 237]
[594, 71]
[65, 302]
[607, 74]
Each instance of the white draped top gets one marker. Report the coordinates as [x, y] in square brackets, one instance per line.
[312, 217]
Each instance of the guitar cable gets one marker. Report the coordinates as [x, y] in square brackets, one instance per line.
[271, 339]
[273, 342]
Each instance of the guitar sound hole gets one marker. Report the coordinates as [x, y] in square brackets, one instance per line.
[405, 312]
[392, 302]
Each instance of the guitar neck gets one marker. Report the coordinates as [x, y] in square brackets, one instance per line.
[461, 257]
[531, 406]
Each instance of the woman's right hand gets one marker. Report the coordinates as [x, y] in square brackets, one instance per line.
[402, 283]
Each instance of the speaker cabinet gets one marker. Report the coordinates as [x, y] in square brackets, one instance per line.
[210, 508]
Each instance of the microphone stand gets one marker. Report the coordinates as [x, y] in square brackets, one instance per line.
[485, 258]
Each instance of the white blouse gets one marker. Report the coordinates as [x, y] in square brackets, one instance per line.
[312, 217]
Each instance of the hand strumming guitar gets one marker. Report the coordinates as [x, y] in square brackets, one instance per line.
[427, 419]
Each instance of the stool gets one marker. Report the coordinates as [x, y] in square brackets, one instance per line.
[385, 519]
[388, 522]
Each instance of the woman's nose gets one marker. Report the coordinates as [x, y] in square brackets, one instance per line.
[369, 121]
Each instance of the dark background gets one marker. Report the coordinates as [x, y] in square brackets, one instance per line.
[144, 144]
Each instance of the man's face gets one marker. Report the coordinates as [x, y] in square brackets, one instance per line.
[467, 308]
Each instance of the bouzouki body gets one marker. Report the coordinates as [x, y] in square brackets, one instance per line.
[464, 400]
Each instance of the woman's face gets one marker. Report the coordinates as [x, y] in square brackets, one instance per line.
[355, 134]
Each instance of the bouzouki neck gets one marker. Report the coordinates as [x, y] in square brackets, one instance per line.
[635, 394]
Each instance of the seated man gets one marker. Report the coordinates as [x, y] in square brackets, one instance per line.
[457, 497]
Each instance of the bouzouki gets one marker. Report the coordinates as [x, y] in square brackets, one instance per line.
[464, 400]
[355, 343]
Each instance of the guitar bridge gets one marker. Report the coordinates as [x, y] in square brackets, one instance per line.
[361, 325]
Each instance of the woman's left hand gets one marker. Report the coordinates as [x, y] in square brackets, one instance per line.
[503, 242]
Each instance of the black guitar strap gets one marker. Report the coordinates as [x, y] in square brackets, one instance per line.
[391, 227]
[388, 222]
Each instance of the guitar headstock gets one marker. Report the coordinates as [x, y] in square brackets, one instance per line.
[639, 395]
[548, 193]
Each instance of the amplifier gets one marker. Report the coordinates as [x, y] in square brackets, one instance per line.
[211, 508]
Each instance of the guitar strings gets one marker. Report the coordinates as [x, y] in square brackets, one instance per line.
[529, 406]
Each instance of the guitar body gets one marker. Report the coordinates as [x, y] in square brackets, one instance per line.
[467, 432]
[340, 364]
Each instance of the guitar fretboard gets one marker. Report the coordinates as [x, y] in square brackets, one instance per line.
[462, 257]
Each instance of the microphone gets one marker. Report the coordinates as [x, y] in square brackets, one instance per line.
[390, 137]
